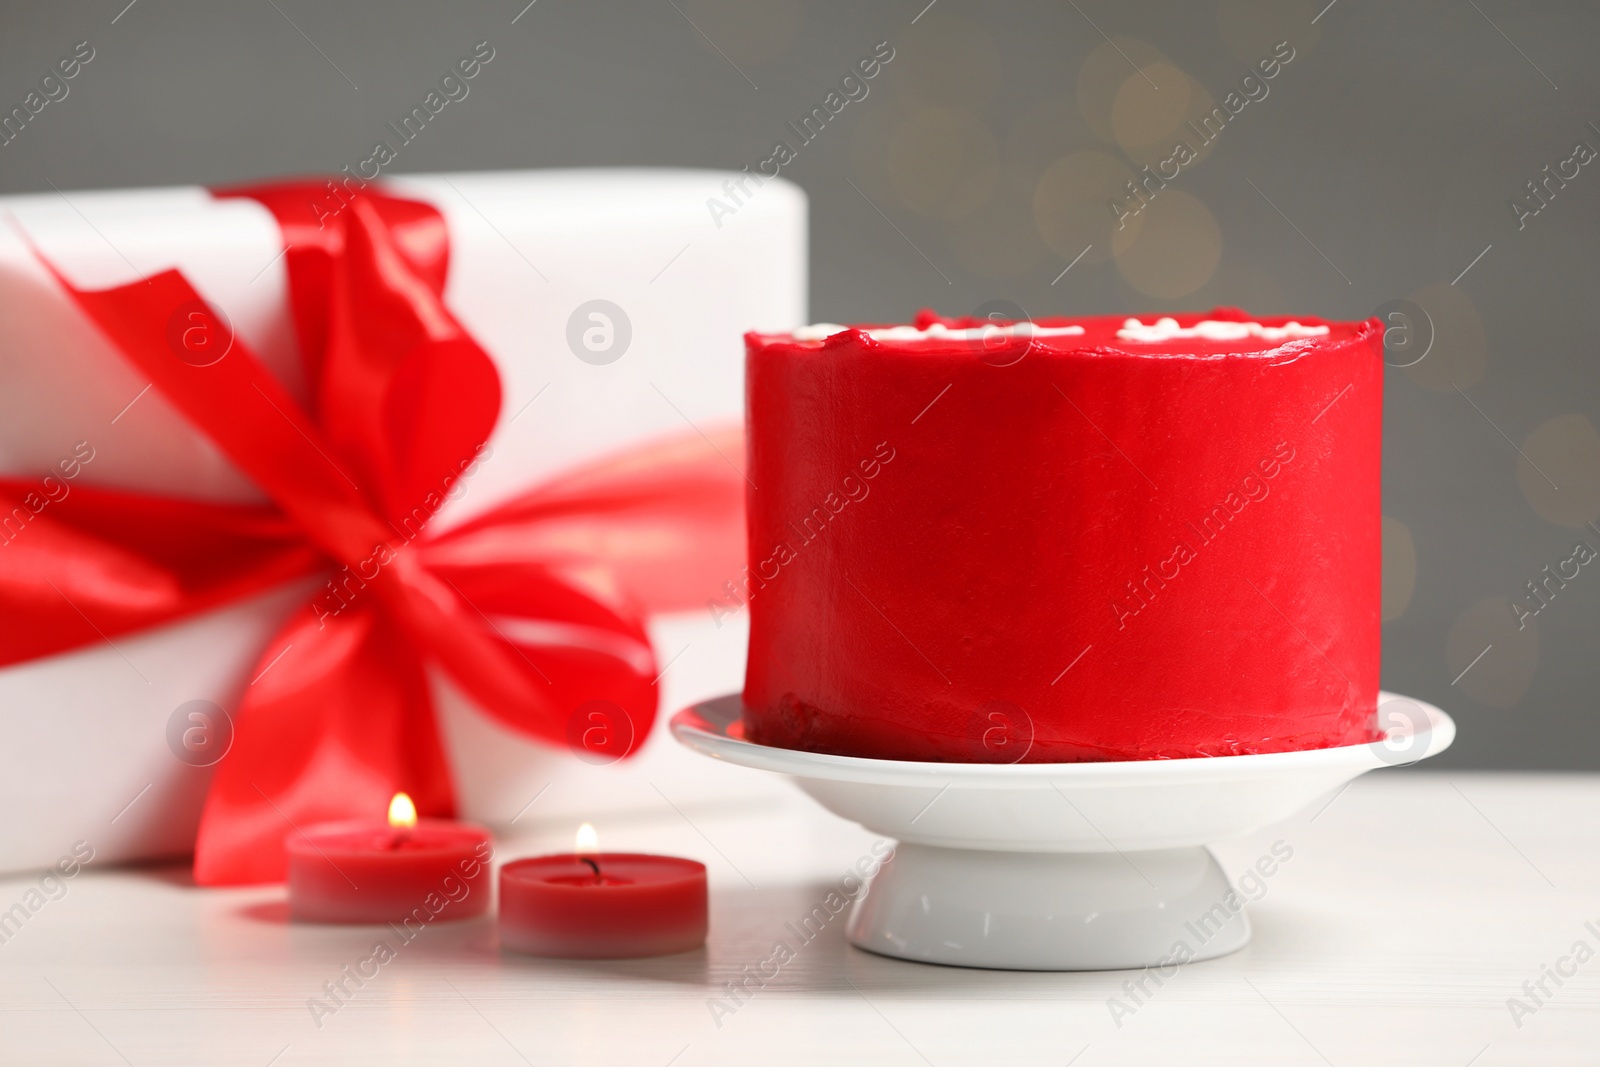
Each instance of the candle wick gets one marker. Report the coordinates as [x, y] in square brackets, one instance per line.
[593, 866]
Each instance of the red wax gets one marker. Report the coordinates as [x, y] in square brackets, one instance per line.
[1064, 548]
[369, 872]
[636, 906]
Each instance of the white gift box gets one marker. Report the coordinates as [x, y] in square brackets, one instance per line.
[84, 753]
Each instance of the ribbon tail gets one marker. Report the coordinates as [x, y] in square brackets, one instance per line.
[335, 727]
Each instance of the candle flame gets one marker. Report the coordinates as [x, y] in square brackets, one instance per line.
[402, 813]
[587, 842]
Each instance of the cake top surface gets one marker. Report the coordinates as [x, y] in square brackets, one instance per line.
[1221, 331]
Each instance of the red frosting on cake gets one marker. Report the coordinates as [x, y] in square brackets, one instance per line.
[1064, 548]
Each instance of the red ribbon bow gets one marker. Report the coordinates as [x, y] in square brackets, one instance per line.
[532, 610]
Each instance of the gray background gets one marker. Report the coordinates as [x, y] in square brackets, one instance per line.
[1393, 141]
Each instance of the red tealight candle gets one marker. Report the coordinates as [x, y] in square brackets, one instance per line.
[602, 905]
[403, 871]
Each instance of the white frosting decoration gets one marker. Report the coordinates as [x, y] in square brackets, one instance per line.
[1167, 329]
[823, 330]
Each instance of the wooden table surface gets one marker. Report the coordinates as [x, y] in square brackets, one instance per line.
[1414, 906]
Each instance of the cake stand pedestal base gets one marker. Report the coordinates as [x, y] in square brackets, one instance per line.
[1044, 911]
[1062, 866]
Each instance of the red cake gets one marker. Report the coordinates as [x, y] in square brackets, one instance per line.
[1095, 539]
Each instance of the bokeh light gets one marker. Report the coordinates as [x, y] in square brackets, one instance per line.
[869, 138]
[1047, 130]
[1559, 471]
[1399, 568]
[1501, 675]
[1071, 204]
[943, 163]
[1103, 73]
[1148, 124]
[1142, 114]
[1170, 248]
[1460, 352]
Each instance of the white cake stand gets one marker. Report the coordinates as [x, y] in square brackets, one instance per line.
[1062, 866]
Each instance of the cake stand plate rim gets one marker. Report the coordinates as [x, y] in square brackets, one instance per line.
[694, 730]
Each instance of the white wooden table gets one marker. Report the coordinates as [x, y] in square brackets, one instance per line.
[1413, 907]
